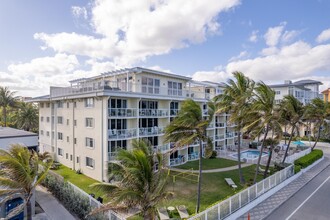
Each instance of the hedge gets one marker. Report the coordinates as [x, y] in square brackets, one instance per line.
[308, 159]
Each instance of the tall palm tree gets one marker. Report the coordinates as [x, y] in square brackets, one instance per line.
[26, 117]
[21, 172]
[139, 185]
[188, 127]
[293, 111]
[236, 100]
[6, 99]
[271, 143]
[265, 115]
[318, 112]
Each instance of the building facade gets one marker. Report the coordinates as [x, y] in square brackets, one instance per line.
[326, 95]
[85, 125]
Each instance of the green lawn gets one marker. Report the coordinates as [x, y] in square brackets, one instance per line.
[214, 188]
[80, 180]
[208, 164]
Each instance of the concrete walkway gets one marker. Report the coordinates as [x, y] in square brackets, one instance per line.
[266, 207]
[53, 209]
[212, 170]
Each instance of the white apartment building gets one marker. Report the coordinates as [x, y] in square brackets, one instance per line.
[303, 90]
[85, 124]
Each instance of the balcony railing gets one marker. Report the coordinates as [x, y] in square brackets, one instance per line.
[179, 160]
[174, 112]
[122, 133]
[219, 125]
[122, 112]
[152, 131]
[193, 156]
[218, 137]
[162, 148]
[112, 155]
[153, 112]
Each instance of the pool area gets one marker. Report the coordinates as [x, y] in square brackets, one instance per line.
[250, 154]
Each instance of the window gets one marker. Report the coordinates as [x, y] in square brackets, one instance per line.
[67, 121]
[77, 159]
[41, 105]
[89, 122]
[75, 104]
[68, 105]
[53, 134]
[41, 132]
[47, 119]
[117, 103]
[89, 102]
[75, 122]
[150, 85]
[174, 88]
[60, 104]
[75, 140]
[174, 108]
[59, 135]
[66, 156]
[89, 142]
[70, 157]
[117, 124]
[67, 139]
[60, 151]
[277, 92]
[47, 133]
[89, 162]
[47, 104]
[59, 120]
[41, 118]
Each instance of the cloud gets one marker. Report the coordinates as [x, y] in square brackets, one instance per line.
[323, 36]
[212, 76]
[273, 34]
[239, 56]
[254, 36]
[289, 36]
[79, 12]
[131, 31]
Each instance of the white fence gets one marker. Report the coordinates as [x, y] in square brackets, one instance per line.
[96, 204]
[225, 208]
[293, 157]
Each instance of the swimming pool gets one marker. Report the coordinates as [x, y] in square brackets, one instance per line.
[250, 154]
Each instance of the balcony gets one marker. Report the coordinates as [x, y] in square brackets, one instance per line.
[174, 112]
[220, 125]
[231, 124]
[116, 134]
[219, 137]
[112, 155]
[122, 112]
[153, 112]
[151, 131]
[231, 134]
[179, 160]
[193, 156]
[162, 148]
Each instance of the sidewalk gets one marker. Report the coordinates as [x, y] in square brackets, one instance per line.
[53, 209]
[266, 207]
[212, 170]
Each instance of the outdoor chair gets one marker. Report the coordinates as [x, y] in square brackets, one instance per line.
[231, 183]
[182, 210]
[162, 212]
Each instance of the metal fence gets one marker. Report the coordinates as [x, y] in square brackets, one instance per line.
[293, 157]
[96, 204]
[225, 208]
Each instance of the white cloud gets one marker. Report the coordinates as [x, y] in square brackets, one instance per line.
[212, 76]
[254, 36]
[239, 56]
[79, 12]
[324, 36]
[273, 35]
[130, 31]
[289, 36]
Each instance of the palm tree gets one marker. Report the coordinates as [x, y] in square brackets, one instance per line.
[236, 100]
[139, 185]
[263, 113]
[21, 173]
[26, 117]
[271, 143]
[318, 112]
[6, 99]
[188, 127]
[293, 111]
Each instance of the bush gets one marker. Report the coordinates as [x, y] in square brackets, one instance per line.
[308, 159]
[297, 169]
[214, 154]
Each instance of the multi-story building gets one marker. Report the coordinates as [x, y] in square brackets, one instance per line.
[303, 90]
[85, 124]
[326, 95]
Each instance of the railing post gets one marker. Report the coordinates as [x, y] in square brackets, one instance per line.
[219, 216]
[249, 194]
[229, 205]
[239, 200]
[263, 186]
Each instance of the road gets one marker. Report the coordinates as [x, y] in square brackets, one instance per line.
[310, 202]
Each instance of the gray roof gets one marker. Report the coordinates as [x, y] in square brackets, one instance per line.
[6, 132]
[299, 83]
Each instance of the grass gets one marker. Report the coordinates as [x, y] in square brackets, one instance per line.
[214, 188]
[80, 180]
[208, 164]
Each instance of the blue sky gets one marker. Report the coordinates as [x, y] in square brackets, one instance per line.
[47, 43]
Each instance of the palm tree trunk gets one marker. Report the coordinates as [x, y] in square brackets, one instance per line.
[268, 162]
[29, 210]
[318, 138]
[260, 154]
[285, 135]
[4, 115]
[200, 175]
[241, 177]
[287, 149]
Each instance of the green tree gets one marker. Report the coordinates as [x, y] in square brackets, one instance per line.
[26, 117]
[318, 113]
[6, 100]
[293, 112]
[236, 100]
[138, 184]
[270, 143]
[188, 127]
[21, 172]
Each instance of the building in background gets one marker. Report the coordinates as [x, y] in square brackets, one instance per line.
[326, 95]
[10, 136]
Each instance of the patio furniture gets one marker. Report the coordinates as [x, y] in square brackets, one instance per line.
[162, 213]
[182, 210]
[231, 183]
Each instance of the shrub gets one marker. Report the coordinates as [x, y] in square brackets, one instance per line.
[297, 169]
[308, 159]
[214, 154]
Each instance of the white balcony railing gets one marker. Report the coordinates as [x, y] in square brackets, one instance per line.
[153, 112]
[219, 124]
[122, 112]
[218, 137]
[174, 112]
[152, 131]
[179, 160]
[122, 133]
[112, 155]
[162, 148]
[193, 156]
[231, 134]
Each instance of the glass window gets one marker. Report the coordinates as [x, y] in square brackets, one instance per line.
[59, 120]
[60, 151]
[89, 122]
[89, 102]
[59, 135]
[89, 162]
[89, 142]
